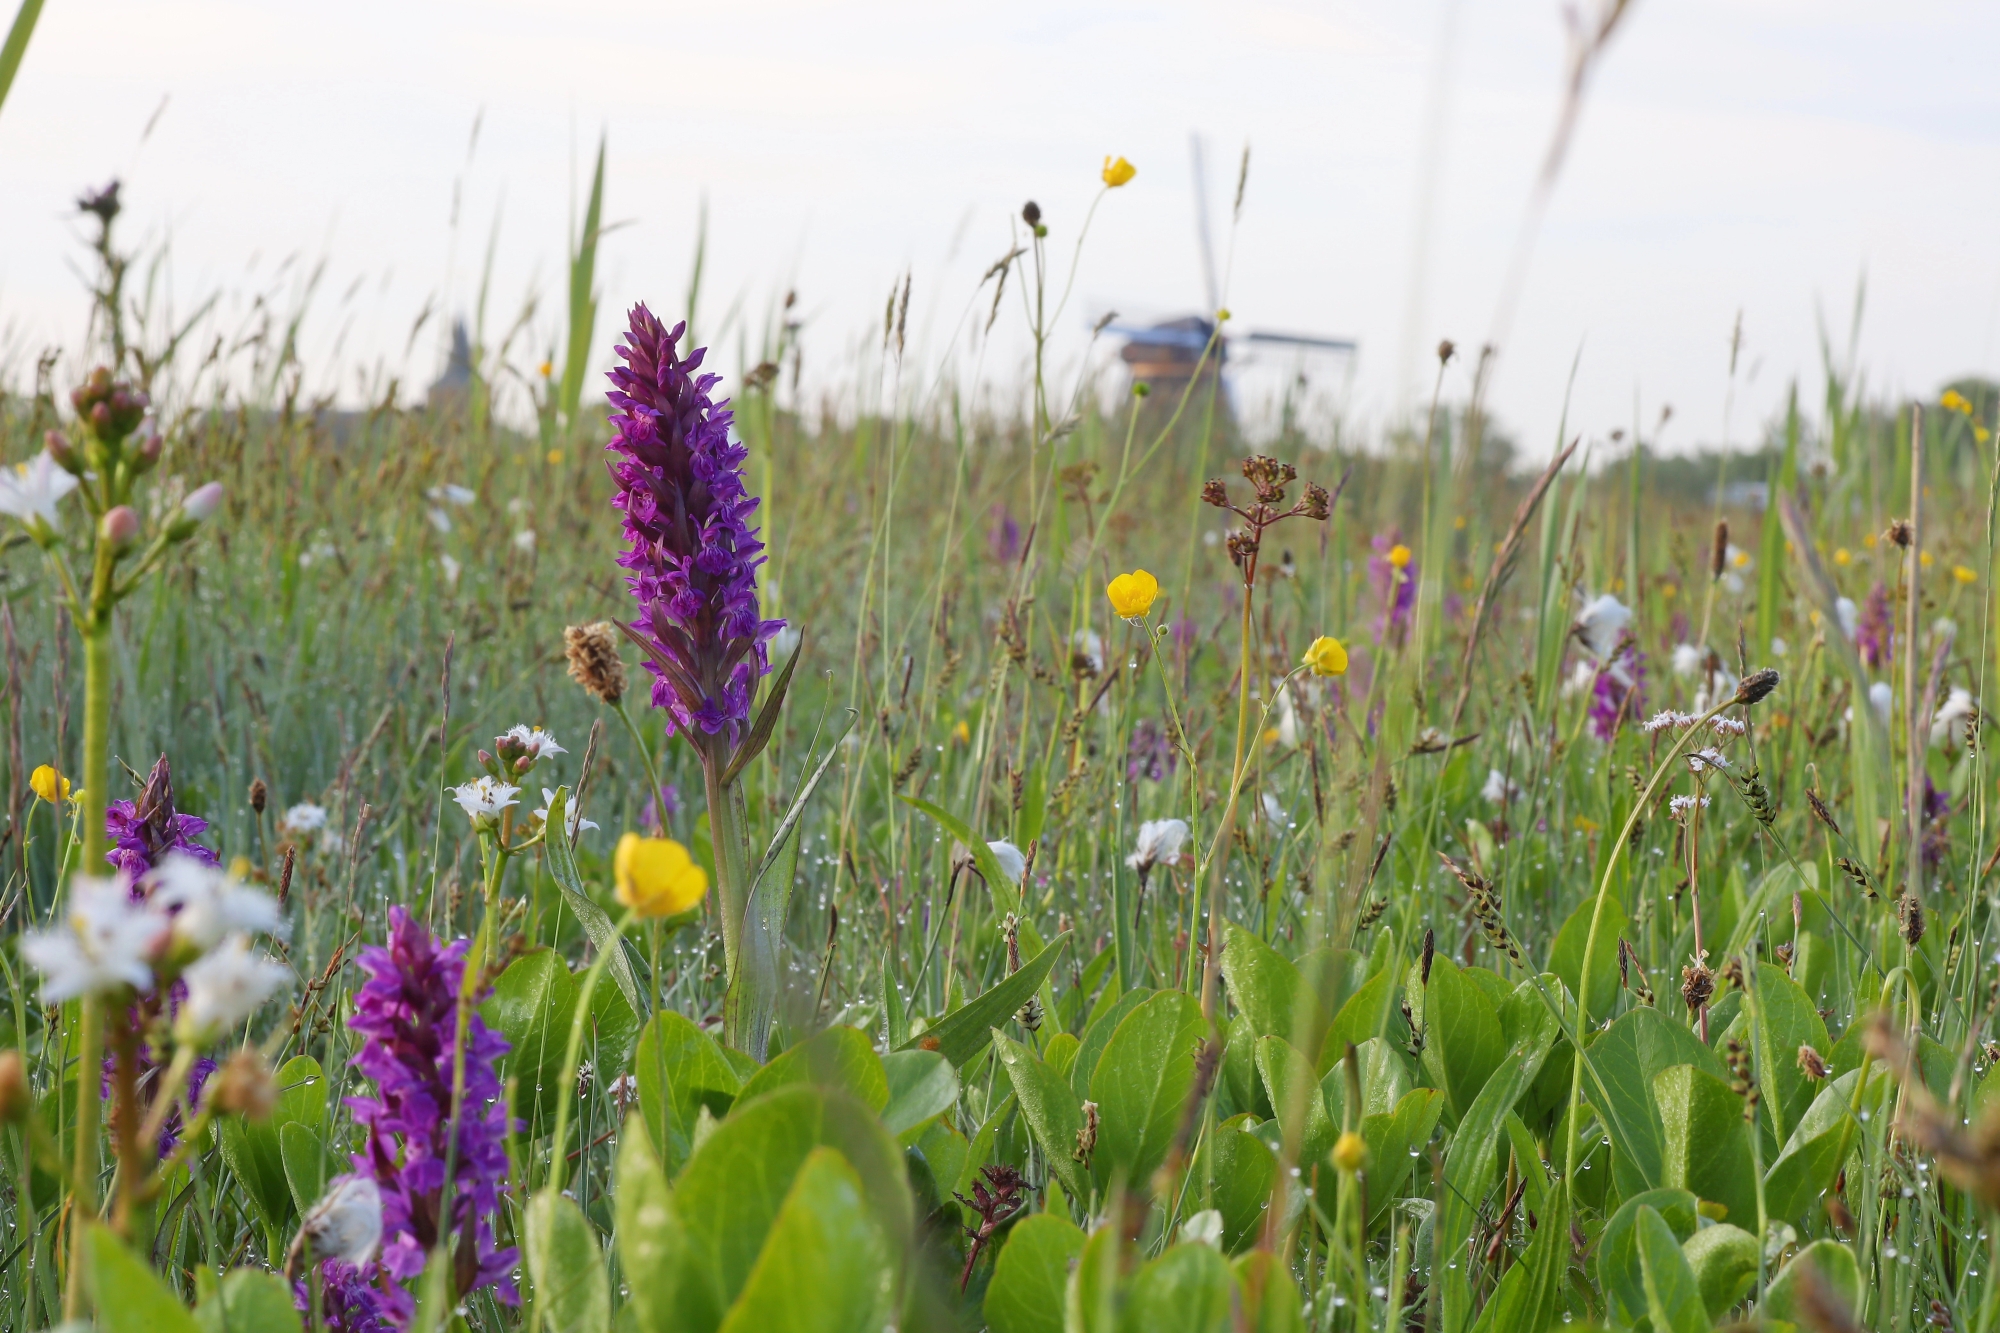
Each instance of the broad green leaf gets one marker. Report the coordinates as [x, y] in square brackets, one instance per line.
[731, 1192]
[1393, 1143]
[1061, 1053]
[839, 1057]
[922, 1085]
[963, 1034]
[1786, 1020]
[303, 1152]
[301, 1094]
[1618, 1276]
[680, 1069]
[1244, 1171]
[825, 1267]
[1839, 1277]
[1673, 1297]
[1034, 805]
[1270, 1298]
[128, 1296]
[603, 932]
[1369, 1012]
[532, 1005]
[1186, 1289]
[1141, 1085]
[1566, 955]
[1263, 985]
[1530, 1295]
[1054, 1115]
[1026, 1294]
[566, 1266]
[944, 1149]
[248, 1300]
[1819, 1144]
[1097, 1035]
[650, 1243]
[1468, 1167]
[1724, 1260]
[1704, 1148]
[253, 1155]
[1618, 1072]
[1090, 1298]
[1461, 1028]
[1295, 1096]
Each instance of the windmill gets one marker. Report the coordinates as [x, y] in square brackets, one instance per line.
[1166, 354]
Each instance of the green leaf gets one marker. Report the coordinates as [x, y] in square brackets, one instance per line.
[1461, 1026]
[1832, 1264]
[1392, 1139]
[1186, 1289]
[1724, 1260]
[566, 1266]
[1295, 1096]
[825, 1267]
[1806, 1168]
[1271, 1302]
[603, 932]
[248, 1300]
[1673, 1298]
[1566, 955]
[1141, 1085]
[1618, 1072]
[1097, 1035]
[1244, 1171]
[532, 1004]
[1034, 805]
[839, 1057]
[1263, 985]
[1786, 1020]
[128, 1296]
[303, 1152]
[964, 1034]
[1053, 1112]
[1468, 1167]
[1026, 1294]
[922, 1086]
[650, 1240]
[680, 1069]
[253, 1155]
[1705, 1148]
[1618, 1276]
[16, 44]
[731, 1192]
[1370, 1012]
[1530, 1295]
[301, 1094]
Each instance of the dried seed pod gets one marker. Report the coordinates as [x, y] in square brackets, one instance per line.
[260, 795]
[1757, 686]
[1086, 1137]
[1901, 533]
[1697, 984]
[1910, 919]
[594, 663]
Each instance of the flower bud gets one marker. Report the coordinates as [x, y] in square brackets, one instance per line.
[201, 506]
[119, 526]
[260, 795]
[63, 452]
[17, 1098]
[148, 454]
[246, 1086]
[1350, 1152]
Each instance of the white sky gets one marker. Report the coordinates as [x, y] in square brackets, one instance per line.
[1759, 155]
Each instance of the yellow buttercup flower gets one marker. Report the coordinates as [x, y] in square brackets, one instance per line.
[962, 733]
[1350, 1152]
[48, 784]
[1327, 657]
[1869, 541]
[656, 876]
[1117, 172]
[1954, 401]
[1964, 574]
[1924, 559]
[1132, 594]
[1842, 556]
[555, 457]
[1399, 556]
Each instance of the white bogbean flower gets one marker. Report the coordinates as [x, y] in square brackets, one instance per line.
[524, 541]
[205, 903]
[1159, 844]
[439, 520]
[483, 799]
[452, 494]
[1848, 614]
[1013, 863]
[1688, 659]
[225, 986]
[30, 492]
[1499, 788]
[1679, 806]
[570, 815]
[346, 1223]
[105, 941]
[532, 742]
[1881, 696]
[1600, 624]
[305, 817]
[1668, 718]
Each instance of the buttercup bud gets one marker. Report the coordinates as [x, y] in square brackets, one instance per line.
[119, 526]
[1350, 1152]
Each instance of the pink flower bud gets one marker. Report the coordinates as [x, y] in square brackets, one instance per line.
[149, 450]
[119, 526]
[202, 505]
[61, 450]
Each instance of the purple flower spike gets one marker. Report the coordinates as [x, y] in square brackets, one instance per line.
[1618, 692]
[692, 554]
[408, 1011]
[142, 832]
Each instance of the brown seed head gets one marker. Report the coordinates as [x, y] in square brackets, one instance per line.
[1214, 492]
[1718, 555]
[1812, 1064]
[1697, 984]
[1820, 811]
[246, 1086]
[1446, 350]
[1031, 213]
[1757, 686]
[260, 795]
[1317, 503]
[1901, 533]
[1910, 919]
[593, 660]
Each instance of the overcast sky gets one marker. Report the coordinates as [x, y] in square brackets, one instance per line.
[1752, 155]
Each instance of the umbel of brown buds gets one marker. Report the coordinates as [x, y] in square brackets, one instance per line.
[1269, 478]
[1697, 984]
[1757, 686]
[594, 662]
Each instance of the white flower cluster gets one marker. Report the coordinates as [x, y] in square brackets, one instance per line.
[483, 799]
[187, 919]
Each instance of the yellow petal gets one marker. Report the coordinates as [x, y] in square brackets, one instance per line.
[1132, 595]
[48, 784]
[1117, 172]
[1327, 657]
[656, 877]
